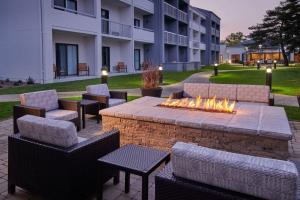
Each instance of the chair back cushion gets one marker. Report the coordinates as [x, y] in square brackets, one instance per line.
[260, 177]
[192, 90]
[253, 93]
[222, 91]
[101, 89]
[55, 132]
[43, 99]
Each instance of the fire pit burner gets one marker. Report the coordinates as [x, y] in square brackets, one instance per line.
[207, 105]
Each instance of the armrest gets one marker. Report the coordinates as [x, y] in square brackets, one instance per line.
[271, 100]
[177, 95]
[20, 111]
[69, 105]
[118, 95]
[103, 100]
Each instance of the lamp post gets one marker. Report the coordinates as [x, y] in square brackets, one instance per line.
[216, 71]
[104, 76]
[269, 77]
[275, 64]
[161, 75]
[260, 51]
[246, 55]
[258, 65]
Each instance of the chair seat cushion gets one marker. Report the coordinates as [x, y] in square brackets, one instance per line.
[43, 99]
[66, 115]
[115, 102]
[261, 177]
[56, 132]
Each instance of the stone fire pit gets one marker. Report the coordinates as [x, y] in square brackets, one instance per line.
[255, 129]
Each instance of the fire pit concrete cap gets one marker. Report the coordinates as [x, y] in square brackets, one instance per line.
[250, 118]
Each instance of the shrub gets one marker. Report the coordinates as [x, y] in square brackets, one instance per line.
[150, 78]
[30, 81]
[7, 80]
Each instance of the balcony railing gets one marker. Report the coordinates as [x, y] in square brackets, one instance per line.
[73, 11]
[182, 16]
[182, 40]
[196, 44]
[170, 10]
[116, 29]
[143, 35]
[170, 38]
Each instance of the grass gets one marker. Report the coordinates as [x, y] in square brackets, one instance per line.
[285, 80]
[293, 113]
[6, 108]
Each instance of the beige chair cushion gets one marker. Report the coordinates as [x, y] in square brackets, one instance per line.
[44, 99]
[66, 115]
[261, 177]
[222, 91]
[253, 93]
[115, 102]
[55, 132]
[101, 89]
[192, 90]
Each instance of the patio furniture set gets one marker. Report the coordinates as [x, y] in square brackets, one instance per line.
[241, 155]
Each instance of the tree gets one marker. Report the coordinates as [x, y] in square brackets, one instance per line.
[234, 38]
[280, 27]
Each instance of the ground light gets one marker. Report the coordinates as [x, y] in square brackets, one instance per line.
[161, 75]
[258, 64]
[275, 64]
[216, 69]
[269, 77]
[104, 76]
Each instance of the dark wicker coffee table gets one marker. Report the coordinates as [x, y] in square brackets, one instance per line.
[133, 159]
[89, 106]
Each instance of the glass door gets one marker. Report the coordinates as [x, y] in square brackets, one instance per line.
[66, 59]
[105, 21]
[106, 57]
[137, 59]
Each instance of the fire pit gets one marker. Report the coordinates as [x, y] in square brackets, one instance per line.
[249, 128]
[207, 105]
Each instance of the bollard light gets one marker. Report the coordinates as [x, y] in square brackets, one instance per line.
[161, 75]
[275, 64]
[258, 64]
[216, 69]
[269, 77]
[104, 76]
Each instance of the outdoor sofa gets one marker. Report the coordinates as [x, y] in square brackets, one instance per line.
[197, 172]
[240, 93]
[47, 104]
[48, 158]
[105, 97]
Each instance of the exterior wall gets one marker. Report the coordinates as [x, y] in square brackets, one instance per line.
[21, 40]
[227, 52]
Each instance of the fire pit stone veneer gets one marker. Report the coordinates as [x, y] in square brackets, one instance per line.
[255, 129]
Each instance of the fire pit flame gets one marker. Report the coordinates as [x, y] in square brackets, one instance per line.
[209, 105]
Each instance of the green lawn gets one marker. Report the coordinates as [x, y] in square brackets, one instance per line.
[229, 67]
[285, 80]
[117, 82]
[293, 113]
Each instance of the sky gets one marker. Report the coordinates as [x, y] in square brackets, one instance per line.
[237, 15]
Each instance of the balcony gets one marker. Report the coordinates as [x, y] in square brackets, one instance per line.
[195, 44]
[182, 40]
[202, 46]
[202, 29]
[81, 8]
[170, 38]
[116, 29]
[195, 26]
[170, 10]
[182, 16]
[143, 35]
[145, 5]
[217, 32]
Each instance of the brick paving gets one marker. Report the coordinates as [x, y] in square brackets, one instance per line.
[111, 192]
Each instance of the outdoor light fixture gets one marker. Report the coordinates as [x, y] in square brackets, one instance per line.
[260, 46]
[104, 76]
[258, 65]
[275, 64]
[161, 75]
[216, 69]
[269, 77]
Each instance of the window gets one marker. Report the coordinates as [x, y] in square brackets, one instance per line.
[137, 23]
[104, 14]
[68, 4]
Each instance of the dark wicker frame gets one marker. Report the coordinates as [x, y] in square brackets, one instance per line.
[59, 173]
[103, 100]
[170, 187]
[180, 95]
[20, 110]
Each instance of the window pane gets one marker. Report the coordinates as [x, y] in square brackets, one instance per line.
[60, 3]
[71, 4]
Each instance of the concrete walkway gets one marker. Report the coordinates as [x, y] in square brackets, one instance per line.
[201, 77]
